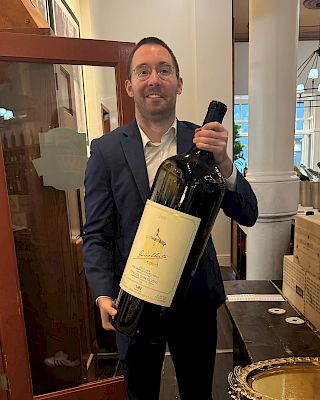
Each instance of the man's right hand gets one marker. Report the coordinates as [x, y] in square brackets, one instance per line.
[107, 309]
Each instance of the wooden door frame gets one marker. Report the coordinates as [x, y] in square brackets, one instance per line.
[62, 50]
[20, 47]
[105, 390]
[12, 329]
[3, 394]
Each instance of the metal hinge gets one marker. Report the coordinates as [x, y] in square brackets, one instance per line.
[4, 382]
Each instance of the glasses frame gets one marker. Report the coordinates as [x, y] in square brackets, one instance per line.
[157, 68]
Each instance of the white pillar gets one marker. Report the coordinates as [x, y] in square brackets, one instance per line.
[273, 42]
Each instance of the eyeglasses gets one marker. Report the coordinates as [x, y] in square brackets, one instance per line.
[164, 71]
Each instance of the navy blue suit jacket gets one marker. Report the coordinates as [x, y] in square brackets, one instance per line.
[116, 189]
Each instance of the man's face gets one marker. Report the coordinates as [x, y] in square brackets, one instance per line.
[154, 97]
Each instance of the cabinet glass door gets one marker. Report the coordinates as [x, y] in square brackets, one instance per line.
[49, 113]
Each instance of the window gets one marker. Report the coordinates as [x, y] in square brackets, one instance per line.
[304, 137]
[304, 132]
[241, 119]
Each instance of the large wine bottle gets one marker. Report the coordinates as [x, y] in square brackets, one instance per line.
[173, 232]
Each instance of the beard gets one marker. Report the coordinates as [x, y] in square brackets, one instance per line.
[156, 112]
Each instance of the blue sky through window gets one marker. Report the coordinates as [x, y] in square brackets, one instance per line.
[241, 117]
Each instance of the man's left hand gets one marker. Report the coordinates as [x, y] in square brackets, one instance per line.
[213, 137]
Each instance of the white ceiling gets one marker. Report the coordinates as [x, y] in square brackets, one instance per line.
[309, 21]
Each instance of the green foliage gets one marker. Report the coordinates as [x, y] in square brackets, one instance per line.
[238, 147]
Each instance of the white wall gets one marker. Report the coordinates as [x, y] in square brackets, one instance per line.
[199, 33]
[172, 21]
[75, 7]
[185, 26]
[213, 79]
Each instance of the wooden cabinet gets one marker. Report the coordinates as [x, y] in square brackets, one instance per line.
[47, 318]
[54, 292]
[239, 250]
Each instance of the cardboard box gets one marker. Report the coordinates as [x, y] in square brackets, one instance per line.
[302, 289]
[293, 285]
[312, 300]
[307, 243]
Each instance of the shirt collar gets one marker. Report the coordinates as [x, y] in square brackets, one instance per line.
[146, 140]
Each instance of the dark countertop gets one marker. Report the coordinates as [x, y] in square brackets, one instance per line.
[261, 335]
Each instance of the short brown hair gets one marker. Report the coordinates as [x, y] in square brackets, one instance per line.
[152, 40]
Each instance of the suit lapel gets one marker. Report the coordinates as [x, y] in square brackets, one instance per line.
[184, 137]
[132, 147]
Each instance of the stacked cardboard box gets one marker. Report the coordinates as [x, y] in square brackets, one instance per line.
[301, 272]
[293, 283]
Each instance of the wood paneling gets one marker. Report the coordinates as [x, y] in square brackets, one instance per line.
[3, 393]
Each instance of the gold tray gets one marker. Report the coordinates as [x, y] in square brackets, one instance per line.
[293, 378]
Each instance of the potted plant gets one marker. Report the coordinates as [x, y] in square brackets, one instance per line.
[238, 147]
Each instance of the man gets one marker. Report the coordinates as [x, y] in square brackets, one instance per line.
[119, 175]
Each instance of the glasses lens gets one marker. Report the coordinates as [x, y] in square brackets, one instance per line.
[143, 72]
[164, 71]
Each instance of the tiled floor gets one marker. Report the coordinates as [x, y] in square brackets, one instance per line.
[224, 357]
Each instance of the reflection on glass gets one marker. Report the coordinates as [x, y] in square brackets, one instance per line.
[65, 88]
[63, 338]
[63, 158]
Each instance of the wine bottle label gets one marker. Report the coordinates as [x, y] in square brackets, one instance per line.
[159, 253]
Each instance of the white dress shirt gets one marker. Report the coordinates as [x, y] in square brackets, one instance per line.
[156, 152]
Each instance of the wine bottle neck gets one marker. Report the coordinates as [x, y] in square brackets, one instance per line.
[207, 156]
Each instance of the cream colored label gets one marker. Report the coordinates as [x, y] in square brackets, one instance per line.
[159, 253]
